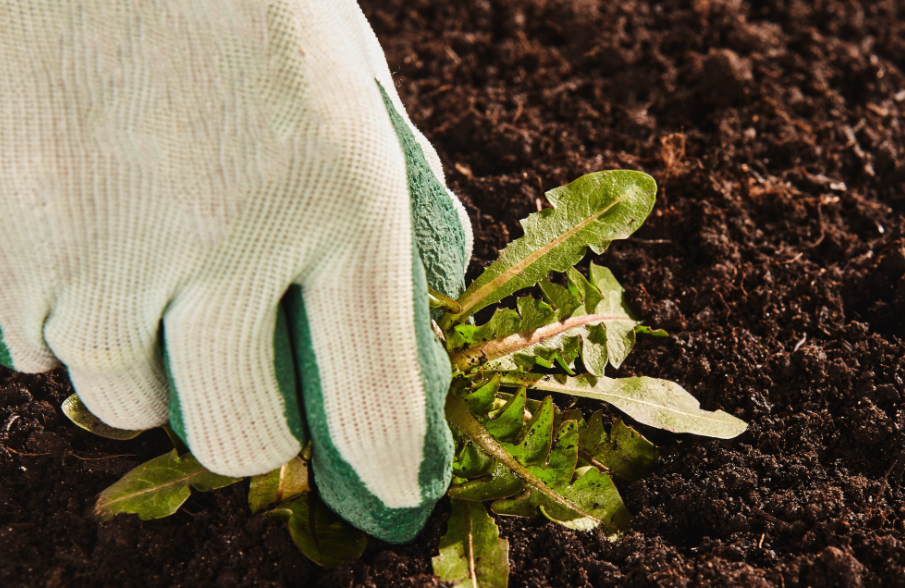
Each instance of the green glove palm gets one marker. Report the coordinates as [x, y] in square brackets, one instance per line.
[199, 166]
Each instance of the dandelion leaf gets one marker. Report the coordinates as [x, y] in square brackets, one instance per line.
[472, 555]
[158, 488]
[590, 212]
[324, 537]
[281, 484]
[622, 451]
[79, 414]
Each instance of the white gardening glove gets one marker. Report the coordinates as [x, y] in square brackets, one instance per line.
[171, 172]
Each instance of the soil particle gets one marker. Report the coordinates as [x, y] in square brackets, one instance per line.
[775, 258]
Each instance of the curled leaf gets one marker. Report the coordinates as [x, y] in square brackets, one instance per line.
[158, 488]
[472, 555]
[79, 414]
[320, 533]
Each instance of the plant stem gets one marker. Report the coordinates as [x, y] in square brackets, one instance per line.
[496, 348]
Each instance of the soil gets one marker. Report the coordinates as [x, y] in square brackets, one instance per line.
[775, 258]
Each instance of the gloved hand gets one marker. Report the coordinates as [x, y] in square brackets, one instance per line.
[172, 172]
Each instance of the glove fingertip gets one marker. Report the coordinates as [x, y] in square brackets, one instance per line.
[233, 427]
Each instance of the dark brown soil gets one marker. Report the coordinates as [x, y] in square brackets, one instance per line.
[775, 257]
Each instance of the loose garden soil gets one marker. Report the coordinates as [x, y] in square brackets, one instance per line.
[775, 257]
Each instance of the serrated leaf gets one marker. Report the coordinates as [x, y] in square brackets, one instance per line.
[158, 488]
[324, 537]
[561, 299]
[281, 484]
[590, 212]
[592, 492]
[472, 555]
[471, 461]
[622, 451]
[534, 445]
[609, 341]
[656, 403]
[520, 469]
[590, 318]
[507, 424]
[596, 494]
[619, 333]
[79, 414]
[480, 401]
[594, 353]
[531, 314]
[499, 482]
[558, 342]
[579, 286]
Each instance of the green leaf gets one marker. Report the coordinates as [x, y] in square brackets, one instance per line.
[538, 471]
[281, 484]
[591, 212]
[319, 533]
[592, 492]
[471, 461]
[534, 444]
[622, 451]
[595, 493]
[590, 318]
[564, 301]
[506, 343]
[618, 333]
[472, 555]
[532, 314]
[439, 300]
[656, 403]
[480, 401]
[651, 332]
[79, 414]
[507, 424]
[158, 488]
[499, 482]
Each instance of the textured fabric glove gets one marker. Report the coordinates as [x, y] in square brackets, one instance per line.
[206, 204]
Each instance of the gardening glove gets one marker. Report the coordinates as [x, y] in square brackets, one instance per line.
[205, 203]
